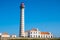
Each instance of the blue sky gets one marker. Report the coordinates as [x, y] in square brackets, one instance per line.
[41, 14]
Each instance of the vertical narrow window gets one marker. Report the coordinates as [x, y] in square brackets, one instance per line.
[51, 36]
[31, 32]
[34, 35]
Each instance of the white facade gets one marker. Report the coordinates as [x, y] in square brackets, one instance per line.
[46, 36]
[35, 33]
[13, 36]
[5, 35]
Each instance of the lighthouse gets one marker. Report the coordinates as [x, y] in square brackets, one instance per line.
[21, 32]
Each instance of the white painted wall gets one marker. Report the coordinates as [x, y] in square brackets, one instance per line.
[36, 34]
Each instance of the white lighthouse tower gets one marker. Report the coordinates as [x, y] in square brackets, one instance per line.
[22, 34]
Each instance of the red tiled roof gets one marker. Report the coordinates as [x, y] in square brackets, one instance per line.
[44, 33]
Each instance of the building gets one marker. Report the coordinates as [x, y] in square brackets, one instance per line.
[21, 32]
[35, 33]
[13, 36]
[5, 35]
